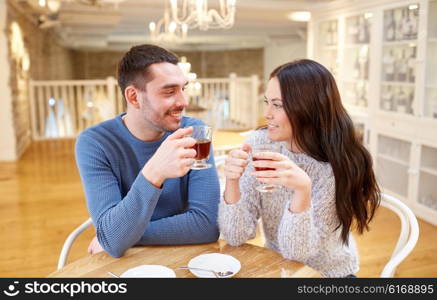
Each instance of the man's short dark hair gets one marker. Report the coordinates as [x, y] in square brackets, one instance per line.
[133, 68]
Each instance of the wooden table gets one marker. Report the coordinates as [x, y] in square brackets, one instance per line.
[255, 261]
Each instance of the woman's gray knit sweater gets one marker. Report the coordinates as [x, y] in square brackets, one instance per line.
[310, 236]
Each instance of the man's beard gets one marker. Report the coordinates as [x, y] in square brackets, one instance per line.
[160, 123]
[162, 126]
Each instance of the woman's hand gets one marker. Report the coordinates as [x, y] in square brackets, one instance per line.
[236, 163]
[94, 246]
[286, 173]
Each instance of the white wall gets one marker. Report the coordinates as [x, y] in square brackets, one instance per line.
[7, 136]
[276, 54]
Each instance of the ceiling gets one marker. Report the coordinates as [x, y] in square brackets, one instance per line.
[257, 23]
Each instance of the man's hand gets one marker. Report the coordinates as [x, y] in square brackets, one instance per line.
[172, 159]
[94, 246]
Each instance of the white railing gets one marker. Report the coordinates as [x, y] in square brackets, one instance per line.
[65, 108]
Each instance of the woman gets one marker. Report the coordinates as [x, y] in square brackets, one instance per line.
[325, 175]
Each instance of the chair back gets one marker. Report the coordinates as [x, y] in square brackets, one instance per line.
[69, 242]
[408, 235]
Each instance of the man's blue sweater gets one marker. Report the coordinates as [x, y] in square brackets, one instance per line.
[126, 209]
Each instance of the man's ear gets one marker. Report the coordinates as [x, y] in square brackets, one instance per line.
[131, 96]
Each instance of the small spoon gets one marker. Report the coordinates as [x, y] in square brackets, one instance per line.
[113, 275]
[217, 274]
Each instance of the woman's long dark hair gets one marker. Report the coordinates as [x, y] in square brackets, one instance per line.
[323, 130]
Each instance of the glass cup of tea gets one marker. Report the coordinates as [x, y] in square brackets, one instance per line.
[202, 134]
[264, 187]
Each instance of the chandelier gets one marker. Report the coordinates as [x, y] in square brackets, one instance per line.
[49, 9]
[54, 5]
[195, 14]
[96, 2]
[167, 31]
[194, 87]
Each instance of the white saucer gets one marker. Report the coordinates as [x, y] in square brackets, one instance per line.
[214, 261]
[149, 271]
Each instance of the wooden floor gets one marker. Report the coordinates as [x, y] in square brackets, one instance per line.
[42, 202]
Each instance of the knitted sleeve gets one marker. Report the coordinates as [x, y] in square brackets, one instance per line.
[237, 222]
[129, 215]
[301, 235]
[198, 222]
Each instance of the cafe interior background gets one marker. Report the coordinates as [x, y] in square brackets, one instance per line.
[58, 62]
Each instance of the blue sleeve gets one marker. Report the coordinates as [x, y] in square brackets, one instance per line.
[119, 222]
[198, 223]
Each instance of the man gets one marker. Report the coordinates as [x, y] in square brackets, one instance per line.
[135, 168]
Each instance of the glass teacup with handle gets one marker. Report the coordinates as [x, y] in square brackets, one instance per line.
[203, 136]
[257, 148]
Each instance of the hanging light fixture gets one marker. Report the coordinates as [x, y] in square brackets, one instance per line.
[49, 9]
[54, 5]
[115, 3]
[49, 13]
[184, 65]
[194, 87]
[195, 14]
[167, 31]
